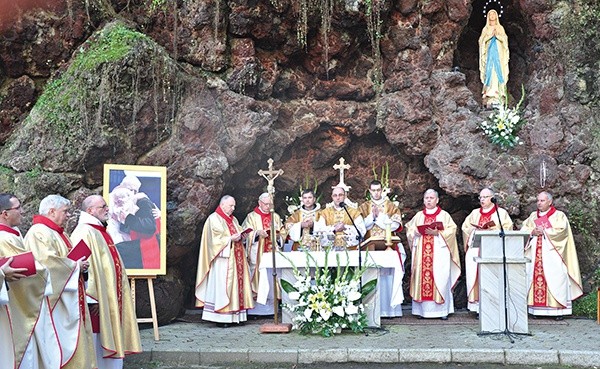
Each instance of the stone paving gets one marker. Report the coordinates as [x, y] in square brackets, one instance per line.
[573, 342]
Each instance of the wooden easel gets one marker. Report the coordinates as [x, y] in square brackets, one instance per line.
[153, 319]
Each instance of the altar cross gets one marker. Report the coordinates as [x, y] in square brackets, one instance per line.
[270, 176]
[342, 166]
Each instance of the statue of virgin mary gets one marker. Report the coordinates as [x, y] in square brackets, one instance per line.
[493, 60]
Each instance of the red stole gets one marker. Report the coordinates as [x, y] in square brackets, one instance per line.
[114, 253]
[40, 219]
[485, 217]
[427, 282]
[266, 225]
[238, 254]
[539, 285]
[5, 228]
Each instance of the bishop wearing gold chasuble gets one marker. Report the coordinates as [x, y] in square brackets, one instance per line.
[484, 218]
[114, 327]
[50, 246]
[259, 242]
[334, 221]
[435, 260]
[35, 341]
[223, 280]
[553, 275]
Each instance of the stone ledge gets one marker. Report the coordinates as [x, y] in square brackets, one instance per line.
[373, 355]
[495, 356]
[323, 356]
[424, 355]
[531, 357]
[586, 359]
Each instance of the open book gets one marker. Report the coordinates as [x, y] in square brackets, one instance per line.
[435, 225]
[487, 225]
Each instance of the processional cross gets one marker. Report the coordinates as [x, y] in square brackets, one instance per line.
[342, 166]
[270, 175]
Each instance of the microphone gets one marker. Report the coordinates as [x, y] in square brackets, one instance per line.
[494, 201]
[342, 204]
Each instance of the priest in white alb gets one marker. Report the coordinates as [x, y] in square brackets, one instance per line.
[33, 332]
[553, 275]
[114, 323]
[223, 279]
[300, 225]
[51, 246]
[484, 218]
[435, 260]
[382, 217]
[258, 243]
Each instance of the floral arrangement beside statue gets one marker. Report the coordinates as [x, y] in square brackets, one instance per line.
[503, 124]
[384, 178]
[327, 300]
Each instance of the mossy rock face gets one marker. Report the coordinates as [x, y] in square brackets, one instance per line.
[117, 98]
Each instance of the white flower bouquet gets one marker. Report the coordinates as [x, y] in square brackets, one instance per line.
[329, 301]
[504, 123]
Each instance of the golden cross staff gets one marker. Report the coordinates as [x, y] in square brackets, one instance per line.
[270, 176]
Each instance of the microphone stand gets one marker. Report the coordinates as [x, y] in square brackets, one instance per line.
[359, 238]
[502, 235]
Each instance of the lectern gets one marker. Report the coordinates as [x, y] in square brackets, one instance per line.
[490, 267]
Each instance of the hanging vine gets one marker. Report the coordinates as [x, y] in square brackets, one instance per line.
[374, 22]
[326, 13]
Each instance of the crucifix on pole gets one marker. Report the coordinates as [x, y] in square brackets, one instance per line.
[270, 175]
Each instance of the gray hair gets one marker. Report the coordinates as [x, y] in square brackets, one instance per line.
[547, 195]
[264, 196]
[225, 198]
[489, 189]
[431, 190]
[88, 201]
[52, 202]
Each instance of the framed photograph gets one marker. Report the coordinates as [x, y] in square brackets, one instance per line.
[136, 197]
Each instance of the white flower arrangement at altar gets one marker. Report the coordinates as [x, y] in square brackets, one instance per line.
[504, 123]
[327, 301]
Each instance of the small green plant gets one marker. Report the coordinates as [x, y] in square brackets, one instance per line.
[586, 305]
[503, 124]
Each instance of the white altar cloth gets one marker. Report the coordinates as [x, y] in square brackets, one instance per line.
[373, 260]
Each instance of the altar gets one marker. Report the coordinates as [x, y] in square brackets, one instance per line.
[375, 261]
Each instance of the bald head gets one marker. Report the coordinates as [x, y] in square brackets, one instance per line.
[95, 206]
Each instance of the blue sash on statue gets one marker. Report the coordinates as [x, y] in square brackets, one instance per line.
[493, 63]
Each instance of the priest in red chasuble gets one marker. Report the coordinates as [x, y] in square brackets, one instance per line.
[484, 218]
[114, 323]
[223, 279]
[553, 275]
[35, 341]
[50, 246]
[259, 242]
[435, 266]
